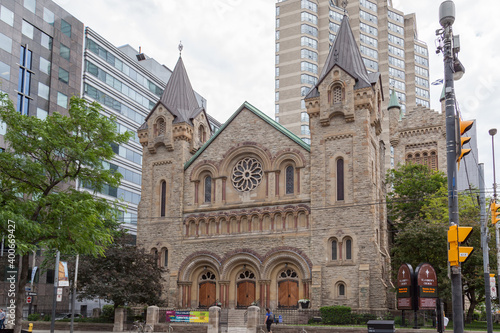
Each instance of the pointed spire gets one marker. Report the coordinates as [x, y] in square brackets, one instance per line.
[345, 54]
[394, 101]
[179, 97]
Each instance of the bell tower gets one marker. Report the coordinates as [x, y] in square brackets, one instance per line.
[347, 176]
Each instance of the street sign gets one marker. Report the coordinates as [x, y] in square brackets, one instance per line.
[27, 288]
[427, 287]
[59, 291]
[59, 298]
[28, 299]
[405, 287]
[31, 293]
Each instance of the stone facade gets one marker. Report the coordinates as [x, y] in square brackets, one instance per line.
[254, 214]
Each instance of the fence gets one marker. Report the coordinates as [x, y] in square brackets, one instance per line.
[163, 317]
[46, 314]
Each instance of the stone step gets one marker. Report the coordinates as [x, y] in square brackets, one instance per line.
[237, 330]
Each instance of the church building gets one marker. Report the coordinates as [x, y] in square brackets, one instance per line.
[252, 214]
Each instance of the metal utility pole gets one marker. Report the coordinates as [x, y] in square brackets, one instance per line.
[54, 300]
[446, 19]
[484, 245]
[74, 295]
[492, 132]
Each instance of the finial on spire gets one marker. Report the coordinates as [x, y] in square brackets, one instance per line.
[180, 48]
[344, 5]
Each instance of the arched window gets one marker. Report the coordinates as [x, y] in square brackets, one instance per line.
[165, 258]
[289, 179]
[409, 158]
[433, 161]
[340, 179]
[208, 189]
[348, 249]
[334, 249]
[156, 255]
[163, 198]
[160, 127]
[202, 134]
[341, 290]
[337, 94]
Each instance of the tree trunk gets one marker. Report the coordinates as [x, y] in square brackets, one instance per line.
[470, 312]
[20, 293]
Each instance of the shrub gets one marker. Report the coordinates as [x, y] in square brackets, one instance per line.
[335, 315]
[108, 313]
[34, 317]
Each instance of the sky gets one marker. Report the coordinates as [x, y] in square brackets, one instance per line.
[229, 51]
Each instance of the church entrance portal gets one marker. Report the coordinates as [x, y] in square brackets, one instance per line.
[207, 287]
[288, 290]
[245, 293]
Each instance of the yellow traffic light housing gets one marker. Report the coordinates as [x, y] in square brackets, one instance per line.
[462, 127]
[495, 215]
[456, 253]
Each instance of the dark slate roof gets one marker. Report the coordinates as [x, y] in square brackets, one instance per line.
[345, 54]
[261, 115]
[178, 97]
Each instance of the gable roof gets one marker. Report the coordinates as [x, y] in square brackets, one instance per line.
[259, 114]
[345, 54]
[178, 97]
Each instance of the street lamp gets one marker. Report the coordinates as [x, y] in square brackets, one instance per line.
[492, 132]
[450, 49]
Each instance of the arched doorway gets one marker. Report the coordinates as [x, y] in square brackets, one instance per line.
[207, 290]
[245, 289]
[288, 289]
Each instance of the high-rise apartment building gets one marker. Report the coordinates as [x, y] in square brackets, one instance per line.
[387, 39]
[40, 57]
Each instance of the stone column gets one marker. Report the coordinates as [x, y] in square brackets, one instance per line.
[213, 319]
[152, 317]
[119, 319]
[252, 319]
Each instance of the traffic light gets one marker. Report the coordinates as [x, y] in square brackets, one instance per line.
[463, 126]
[495, 215]
[456, 253]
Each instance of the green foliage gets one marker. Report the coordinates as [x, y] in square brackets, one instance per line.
[34, 317]
[42, 161]
[411, 186]
[335, 315]
[362, 318]
[125, 274]
[108, 312]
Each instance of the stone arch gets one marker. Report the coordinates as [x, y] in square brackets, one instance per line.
[286, 255]
[201, 167]
[241, 258]
[297, 159]
[246, 149]
[199, 259]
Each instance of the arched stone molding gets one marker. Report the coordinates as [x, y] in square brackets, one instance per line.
[197, 259]
[238, 258]
[245, 149]
[288, 155]
[294, 256]
[203, 166]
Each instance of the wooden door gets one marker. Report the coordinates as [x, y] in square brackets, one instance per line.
[207, 294]
[288, 294]
[245, 294]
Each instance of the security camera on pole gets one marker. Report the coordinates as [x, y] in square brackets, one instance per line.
[453, 69]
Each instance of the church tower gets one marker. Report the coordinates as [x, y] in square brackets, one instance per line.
[347, 180]
[172, 132]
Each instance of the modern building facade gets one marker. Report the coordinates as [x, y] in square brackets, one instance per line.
[254, 214]
[127, 83]
[41, 48]
[387, 39]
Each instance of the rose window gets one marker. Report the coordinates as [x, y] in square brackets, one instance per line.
[247, 174]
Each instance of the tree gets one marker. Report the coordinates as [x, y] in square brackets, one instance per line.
[39, 206]
[412, 185]
[124, 274]
[419, 210]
